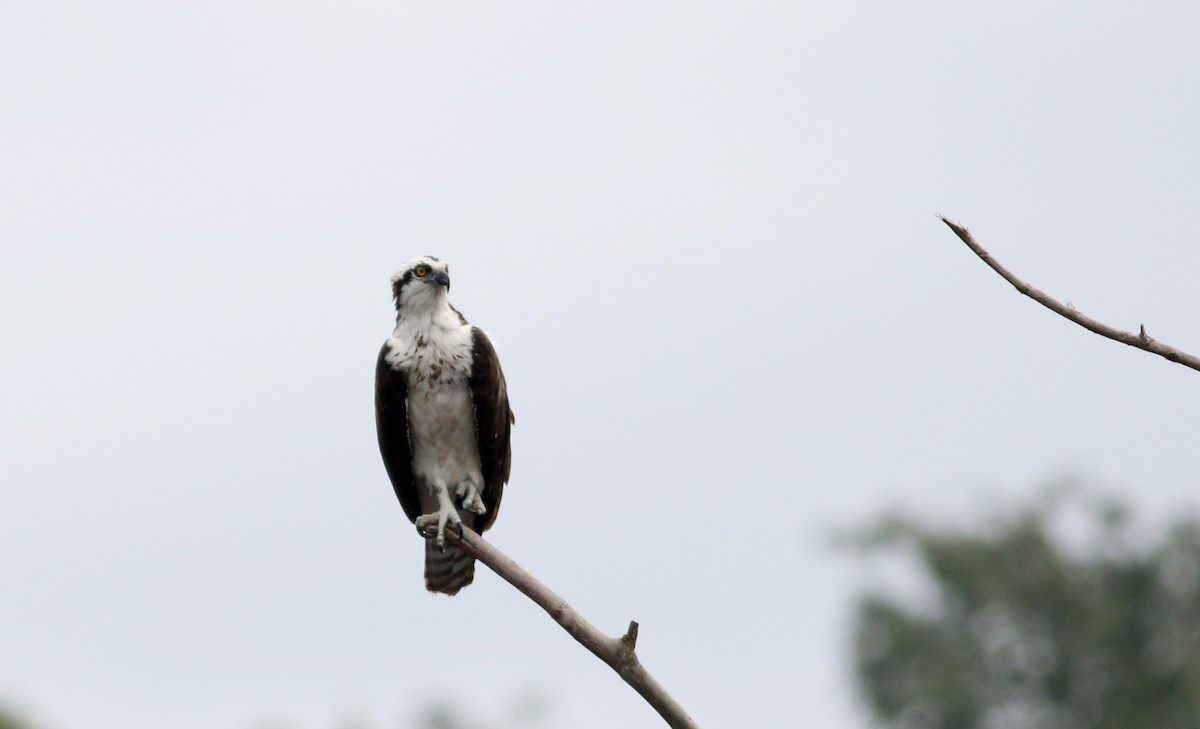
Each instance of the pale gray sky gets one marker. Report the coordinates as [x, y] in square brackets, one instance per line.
[703, 238]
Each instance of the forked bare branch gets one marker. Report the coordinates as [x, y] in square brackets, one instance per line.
[1141, 340]
[619, 653]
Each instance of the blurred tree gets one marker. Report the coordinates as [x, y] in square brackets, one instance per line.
[9, 720]
[1026, 632]
[530, 708]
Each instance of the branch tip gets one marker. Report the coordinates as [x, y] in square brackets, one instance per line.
[958, 228]
[631, 635]
[1141, 340]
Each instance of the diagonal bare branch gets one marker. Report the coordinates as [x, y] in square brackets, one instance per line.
[618, 653]
[1141, 340]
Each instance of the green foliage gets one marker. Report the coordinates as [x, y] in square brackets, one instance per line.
[1026, 633]
[9, 720]
[530, 708]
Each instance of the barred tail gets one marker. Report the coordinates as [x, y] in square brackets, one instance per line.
[447, 572]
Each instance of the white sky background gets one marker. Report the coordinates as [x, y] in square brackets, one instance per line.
[703, 237]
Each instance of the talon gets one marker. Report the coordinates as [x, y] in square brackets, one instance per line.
[443, 517]
[470, 498]
[424, 524]
[433, 524]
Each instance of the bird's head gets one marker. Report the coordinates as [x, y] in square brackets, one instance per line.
[422, 283]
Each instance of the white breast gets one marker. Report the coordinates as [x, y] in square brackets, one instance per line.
[434, 353]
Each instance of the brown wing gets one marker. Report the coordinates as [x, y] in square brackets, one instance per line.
[391, 425]
[493, 418]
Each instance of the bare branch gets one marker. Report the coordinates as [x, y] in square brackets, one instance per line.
[618, 653]
[1141, 340]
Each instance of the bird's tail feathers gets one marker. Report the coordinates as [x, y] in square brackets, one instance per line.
[449, 571]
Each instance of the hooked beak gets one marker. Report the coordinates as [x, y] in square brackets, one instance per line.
[439, 278]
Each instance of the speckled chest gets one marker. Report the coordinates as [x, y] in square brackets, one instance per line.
[433, 352]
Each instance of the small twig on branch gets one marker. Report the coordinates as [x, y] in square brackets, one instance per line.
[1141, 340]
[619, 653]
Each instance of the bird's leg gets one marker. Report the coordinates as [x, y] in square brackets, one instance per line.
[468, 494]
[446, 513]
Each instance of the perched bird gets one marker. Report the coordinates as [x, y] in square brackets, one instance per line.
[442, 417]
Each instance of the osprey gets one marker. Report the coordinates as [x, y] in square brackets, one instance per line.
[442, 416]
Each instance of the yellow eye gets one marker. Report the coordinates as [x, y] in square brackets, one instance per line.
[421, 271]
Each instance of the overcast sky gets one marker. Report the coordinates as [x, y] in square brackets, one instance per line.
[703, 239]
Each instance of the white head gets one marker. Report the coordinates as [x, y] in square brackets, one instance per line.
[421, 284]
